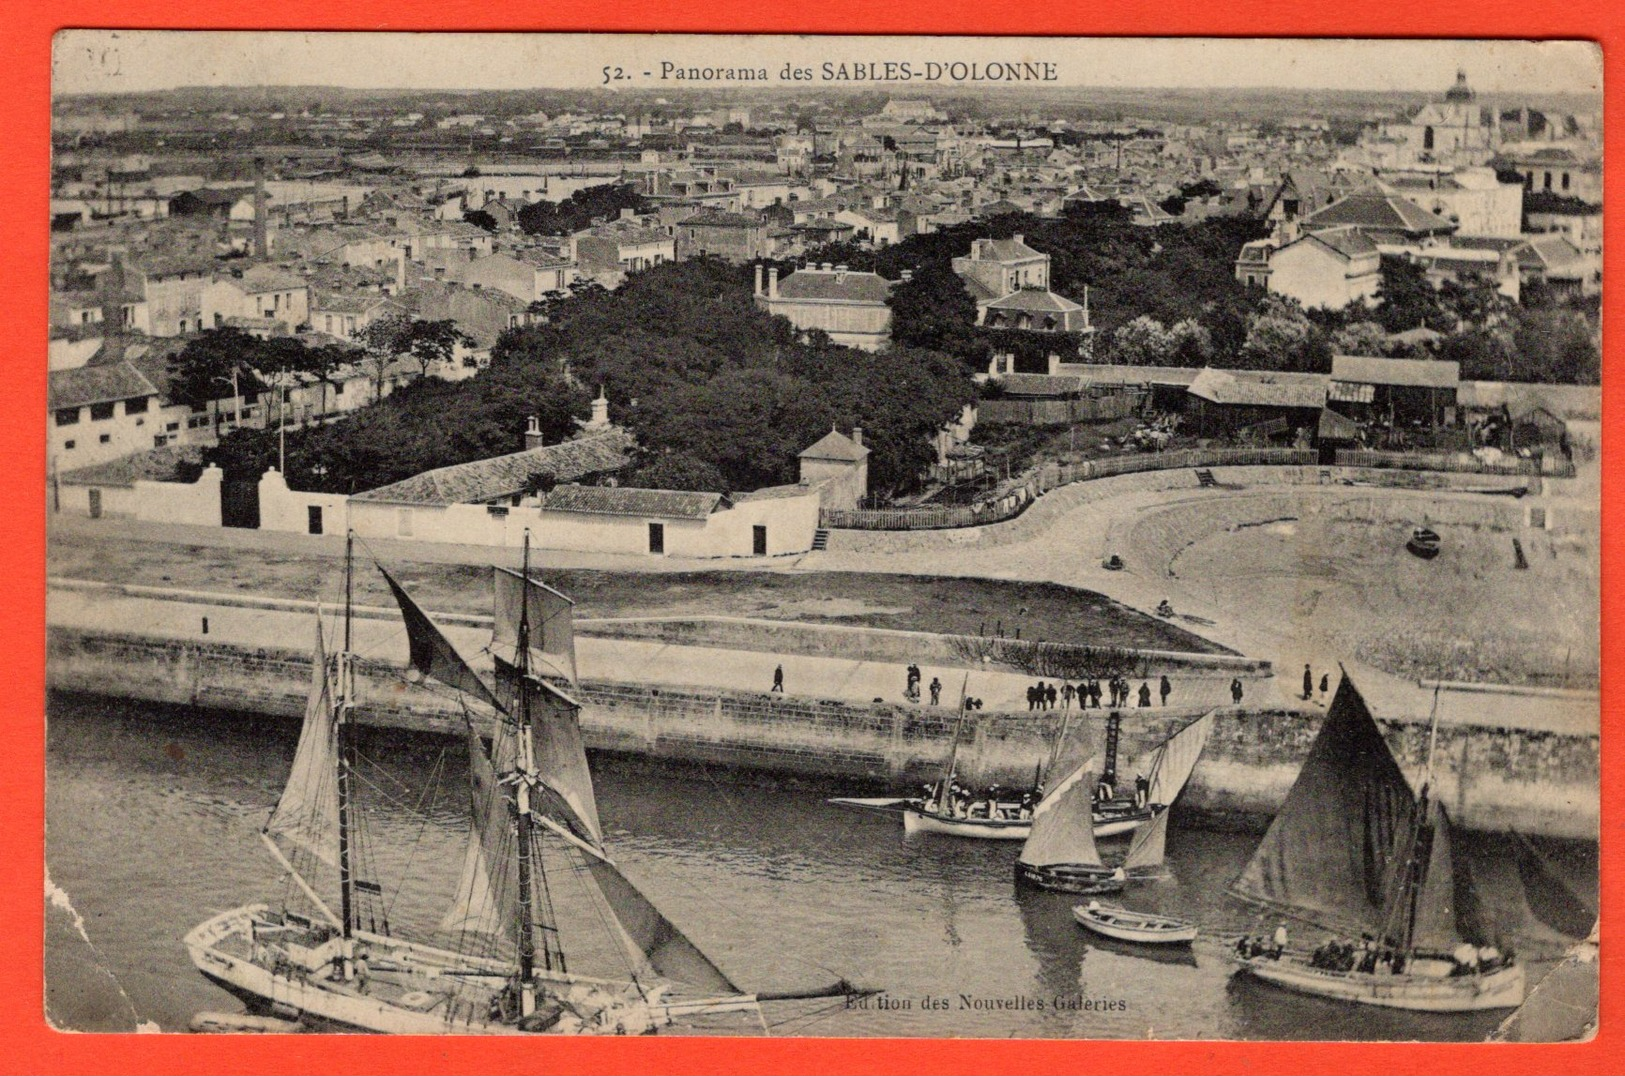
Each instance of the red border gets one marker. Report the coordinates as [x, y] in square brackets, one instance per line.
[24, 176]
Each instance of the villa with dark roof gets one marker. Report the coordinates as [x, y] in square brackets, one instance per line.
[849, 306]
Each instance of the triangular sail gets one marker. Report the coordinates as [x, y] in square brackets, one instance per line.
[307, 815]
[1149, 844]
[493, 825]
[1331, 849]
[653, 942]
[1063, 823]
[551, 616]
[560, 753]
[432, 653]
[474, 910]
[1447, 909]
[1176, 757]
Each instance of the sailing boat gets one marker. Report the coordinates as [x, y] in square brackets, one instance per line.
[1355, 851]
[529, 785]
[937, 814]
[1061, 854]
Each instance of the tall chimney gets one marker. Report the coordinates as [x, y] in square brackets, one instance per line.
[533, 433]
[857, 434]
[260, 250]
[773, 282]
[758, 290]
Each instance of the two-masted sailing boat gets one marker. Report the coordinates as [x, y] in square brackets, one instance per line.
[498, 963]
[1061, 855]
[1356, 852]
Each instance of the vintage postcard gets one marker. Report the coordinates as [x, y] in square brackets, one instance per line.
[1039, 538]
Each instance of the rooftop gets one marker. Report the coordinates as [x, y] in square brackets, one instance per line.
[716, 218]
[82, 386]
[503, 476]
[1414, 373]
[1035, 300]
[624, 501]
[835, 445]
[1381, 211]
[1256, 388]
[835, 285]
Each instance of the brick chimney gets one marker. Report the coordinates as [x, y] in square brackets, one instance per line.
[533, 433]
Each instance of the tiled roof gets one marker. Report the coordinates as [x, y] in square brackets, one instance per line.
[1004, 250]
[268, 278]
[716, 218]
[835, 445]
[832, 286]
[1381, 211]
[1259, 389]
[1117, 374]
[1036, 301]
[503, 476]
[1555, 253]
[90, 384]
[622, 501]
[334, 302]
[157, 465]
[1413, 373]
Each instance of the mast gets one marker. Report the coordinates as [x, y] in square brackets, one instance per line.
[341, 729]
[1404, 901]
[527, 769]
[953, 752]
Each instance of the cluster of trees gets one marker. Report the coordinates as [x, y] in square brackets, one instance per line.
[721, 396]
[1171, 274]
[578, 211]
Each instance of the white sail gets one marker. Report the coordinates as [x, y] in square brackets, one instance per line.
[551, 616]
[1172, 761]
[1063, 823]
[307, 815]
[1149, 844]
[474, 909]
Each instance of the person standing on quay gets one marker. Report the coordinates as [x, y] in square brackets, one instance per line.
[1235, 691]
[1032, 696]
[1325, 685]
[778, 679]
[1166, 688]
[936, 691]
[1049, 696]
[1068, 693]
[1308, 683]
[1145, 693]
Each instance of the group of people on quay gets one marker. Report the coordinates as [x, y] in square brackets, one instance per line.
[993, 801]
[1118, 692]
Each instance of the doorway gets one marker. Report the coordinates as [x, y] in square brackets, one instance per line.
[758, 541]
[314, 520]
[657, 538]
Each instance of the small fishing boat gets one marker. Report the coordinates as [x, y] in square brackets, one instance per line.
[1356, 852]
[1126, 924]
[1060, 853]
[922, 819]
[1424, 542]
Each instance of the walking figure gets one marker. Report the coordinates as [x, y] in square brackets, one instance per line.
[1308, 683]
[936, 690]
[1094, 691]
[1166, 688]
[1235, 691]
[778, 679]
[1068, 693]
[1145, 693]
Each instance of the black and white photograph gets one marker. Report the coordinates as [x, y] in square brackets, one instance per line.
[896, 537]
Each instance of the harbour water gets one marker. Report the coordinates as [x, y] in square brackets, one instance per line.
[152, 821]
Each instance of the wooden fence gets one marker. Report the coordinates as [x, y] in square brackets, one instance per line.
[1059, 412]
[1034, 484]
[1534, 467]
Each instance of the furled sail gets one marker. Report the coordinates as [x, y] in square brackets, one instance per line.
[1331, 849]
[432, 653]
[307, 815]
[551, 616]
[653, 942]
[496, 912]
[559, 753]
[1063, 823]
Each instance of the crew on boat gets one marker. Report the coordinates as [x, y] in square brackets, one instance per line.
[1142, 790]
[1280, 941]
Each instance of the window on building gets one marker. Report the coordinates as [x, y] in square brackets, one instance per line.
[101, 412]
[67, 416]
[1427, 138]
[1548, 183]
[1565, 181]
[68, 445]
[136, 406]
[173, 426]
[106, 438]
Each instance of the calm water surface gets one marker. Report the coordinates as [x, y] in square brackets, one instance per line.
[152, 821]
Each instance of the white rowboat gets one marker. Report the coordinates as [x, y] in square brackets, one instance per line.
[1125, 924]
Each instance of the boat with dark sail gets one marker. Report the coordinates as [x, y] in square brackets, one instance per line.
[498, 962]
[1356, 852]
[1061, 853]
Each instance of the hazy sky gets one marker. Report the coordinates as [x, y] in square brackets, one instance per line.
[102, 61]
